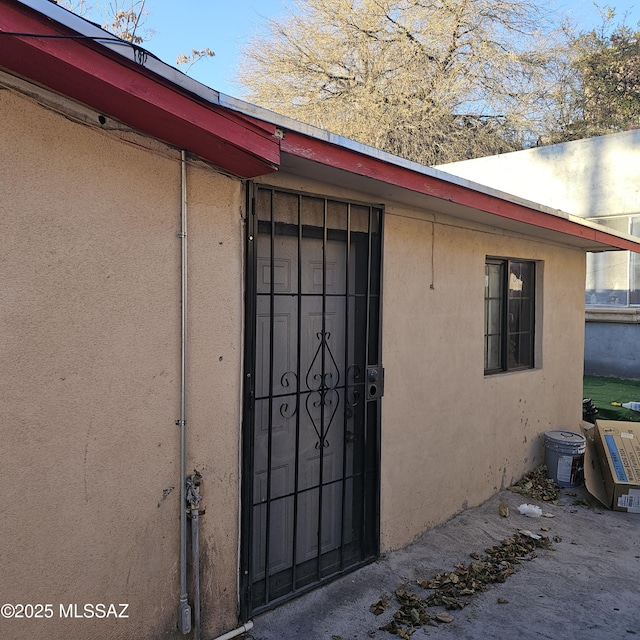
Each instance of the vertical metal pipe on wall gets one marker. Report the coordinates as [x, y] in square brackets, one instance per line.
[193, 498]
[189, 499]
[184, 610]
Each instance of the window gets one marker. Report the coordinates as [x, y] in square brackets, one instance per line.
[613, 277]
[509, 315]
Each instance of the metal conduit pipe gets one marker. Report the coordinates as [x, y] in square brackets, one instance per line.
[193, 498]
[245, 628]
[184, 610]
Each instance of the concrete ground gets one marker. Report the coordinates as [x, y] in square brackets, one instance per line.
[588, 588]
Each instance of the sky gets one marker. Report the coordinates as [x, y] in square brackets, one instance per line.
[225, 25]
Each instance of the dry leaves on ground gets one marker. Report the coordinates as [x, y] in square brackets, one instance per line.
[536, 485]
[452, 589]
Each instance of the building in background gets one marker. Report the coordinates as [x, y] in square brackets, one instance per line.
[597, 179]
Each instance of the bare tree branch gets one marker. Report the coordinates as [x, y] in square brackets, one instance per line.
[430, 80]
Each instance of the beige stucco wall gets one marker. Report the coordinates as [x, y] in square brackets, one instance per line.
[451, 436]
[596, 177]
[90, 283]
[90, 377]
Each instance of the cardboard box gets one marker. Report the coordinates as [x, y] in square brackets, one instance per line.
[612, 464]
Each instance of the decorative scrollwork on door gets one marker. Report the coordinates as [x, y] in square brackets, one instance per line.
[324, 379]
[323, 400]
[289, 405]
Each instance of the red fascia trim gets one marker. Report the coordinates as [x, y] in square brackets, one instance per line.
[112, 85]
[329, 154]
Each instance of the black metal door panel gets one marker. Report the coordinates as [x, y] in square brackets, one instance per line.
[311, 427]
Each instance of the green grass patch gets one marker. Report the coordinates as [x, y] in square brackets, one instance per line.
[603, 391]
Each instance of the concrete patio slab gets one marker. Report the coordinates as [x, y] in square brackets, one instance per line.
[587, 588]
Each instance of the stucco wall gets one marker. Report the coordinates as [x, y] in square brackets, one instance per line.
[451, 436]
[596, 177]
[90, 280]
[612, 351]
[90, 317]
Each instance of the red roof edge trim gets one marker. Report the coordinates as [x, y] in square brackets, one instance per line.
[117, 87]
[328, 154]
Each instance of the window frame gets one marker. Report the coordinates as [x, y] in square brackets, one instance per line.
[509, 338]
[605, 263]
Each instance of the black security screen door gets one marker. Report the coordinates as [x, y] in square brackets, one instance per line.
[313, 384]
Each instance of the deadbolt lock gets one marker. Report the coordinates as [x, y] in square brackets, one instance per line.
[375, 382]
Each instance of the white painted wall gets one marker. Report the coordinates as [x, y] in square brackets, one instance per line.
[593, 177]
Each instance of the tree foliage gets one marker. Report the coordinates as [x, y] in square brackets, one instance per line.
[126, 20]
[429, 80]
[123, 18]
[188, 60]
[602, 94]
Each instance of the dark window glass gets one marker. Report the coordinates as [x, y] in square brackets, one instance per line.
[509, 315]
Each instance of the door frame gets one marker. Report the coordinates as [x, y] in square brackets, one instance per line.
[246, 609]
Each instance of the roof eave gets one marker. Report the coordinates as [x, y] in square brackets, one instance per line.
[443, 193]
[247, 140]
[86, 71]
